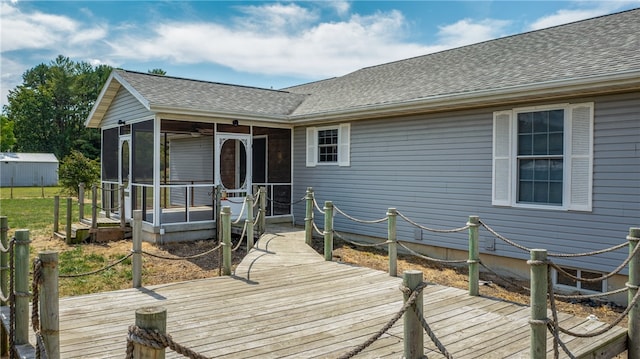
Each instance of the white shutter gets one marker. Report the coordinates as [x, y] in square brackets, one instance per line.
[344, 138]
[312, 146]
[501, 190]
[580, 156]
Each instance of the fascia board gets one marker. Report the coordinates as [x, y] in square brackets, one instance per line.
[218, 114]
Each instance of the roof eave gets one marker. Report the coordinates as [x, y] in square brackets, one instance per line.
[228, 115]
[593, 85]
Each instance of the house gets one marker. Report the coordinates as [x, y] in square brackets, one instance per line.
[537, 133]
[28, 169]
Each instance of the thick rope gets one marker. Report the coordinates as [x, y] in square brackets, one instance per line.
[109, 266]
[338, 210]
[244, 229]
[41, 350]
[12, 300]
[317, 229]
[315, 203]
[286, 203]
[244, 206]
[360, 244]
[453, 230]
[431, 259]
[182, 258]
[153, 339]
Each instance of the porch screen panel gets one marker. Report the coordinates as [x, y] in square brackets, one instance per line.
[110, 142]
[142, 145]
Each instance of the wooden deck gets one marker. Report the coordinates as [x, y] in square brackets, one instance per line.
[285, 301]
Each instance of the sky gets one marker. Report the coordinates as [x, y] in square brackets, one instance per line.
[262, 43]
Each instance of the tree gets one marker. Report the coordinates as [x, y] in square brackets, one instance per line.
[7, 138]
[77, 168]
[157, 71]
[49, 108]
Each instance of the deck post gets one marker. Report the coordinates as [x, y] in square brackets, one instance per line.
[136, 239]
[633, 328]
[94, 206]
[4, 278]
[538, 322]
[392, 238]
[68, 224]
[474, 256]
[150, 318]
[249, 221]
[308, 217]
[263, 209]
[81, 201]
[56, 213]
[122, 211]
[413, 332]
[328, 231]
[49, 305]
[21, 285]
[225, 216]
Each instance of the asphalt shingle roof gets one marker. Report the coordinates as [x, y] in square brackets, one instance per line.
[600, 46]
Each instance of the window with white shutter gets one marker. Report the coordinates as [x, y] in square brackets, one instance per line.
[542, 157]
[328, 145]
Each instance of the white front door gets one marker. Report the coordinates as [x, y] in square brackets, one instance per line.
[233, 168]
[125, 175]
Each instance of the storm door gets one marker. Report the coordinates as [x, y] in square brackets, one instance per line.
[125, 175]
[233, 169]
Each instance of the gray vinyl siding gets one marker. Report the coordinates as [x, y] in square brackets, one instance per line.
[436, 169]
[191, 162]
[28, 174]
[124, 107]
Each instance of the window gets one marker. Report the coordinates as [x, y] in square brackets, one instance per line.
[542, 157]
[563, 281]
[328, 145]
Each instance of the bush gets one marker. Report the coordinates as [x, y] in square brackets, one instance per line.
[76, 169]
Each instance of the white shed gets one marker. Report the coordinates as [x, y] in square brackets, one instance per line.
[28, 169]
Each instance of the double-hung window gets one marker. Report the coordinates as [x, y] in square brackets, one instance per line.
[328, 145]
[542, 157]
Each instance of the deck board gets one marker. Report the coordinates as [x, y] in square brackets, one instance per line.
[285, 301]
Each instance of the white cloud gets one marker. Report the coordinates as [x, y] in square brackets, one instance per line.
[274, 18]
[584, 10]
[466, 31]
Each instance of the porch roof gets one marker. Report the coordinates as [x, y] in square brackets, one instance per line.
[599, 55]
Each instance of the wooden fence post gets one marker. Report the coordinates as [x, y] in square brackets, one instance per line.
[122, 211]
[474, 256]
[225, 216]
[21, 284]
[4, 278]
[538, 322]
[150, 318]
[263, 209]
[308, 217]
[11, 188]
[413, 332]
[392, 237]
[81, 201]
[94, 206]
[328, 231]
[68, 239]
[49, 305]
[136, 240]
[42, 185]
[633, 329]
[249, 222]
[56, 213]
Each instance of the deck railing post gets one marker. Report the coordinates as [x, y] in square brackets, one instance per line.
[225, 216]
[21, 286]
[81, 201]
[328, 231]
[122, 211]
[413, 332]
[136, 239]
[249, 221]
[474, 256]
[94, 206]
[155, 319]
[4, 278]
[49, 305]
[308, 217]
[56, 213]
[538, 322]
[263, 209]
[68, 239]
[634, 281]
[392, 237]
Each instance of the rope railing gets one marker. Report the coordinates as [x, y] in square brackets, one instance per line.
[431, 259]
[156, 340]
[453, 230]
[338, 210]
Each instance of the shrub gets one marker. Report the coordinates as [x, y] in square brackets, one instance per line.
[76, 169]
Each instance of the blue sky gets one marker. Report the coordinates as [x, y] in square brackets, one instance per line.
[262, 43]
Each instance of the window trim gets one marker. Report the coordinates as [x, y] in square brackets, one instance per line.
[343, 145]
[337, 145]
[577, 176]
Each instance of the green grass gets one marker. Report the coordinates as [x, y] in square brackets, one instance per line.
[30, 192]
[76, 261]
[36, 214]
